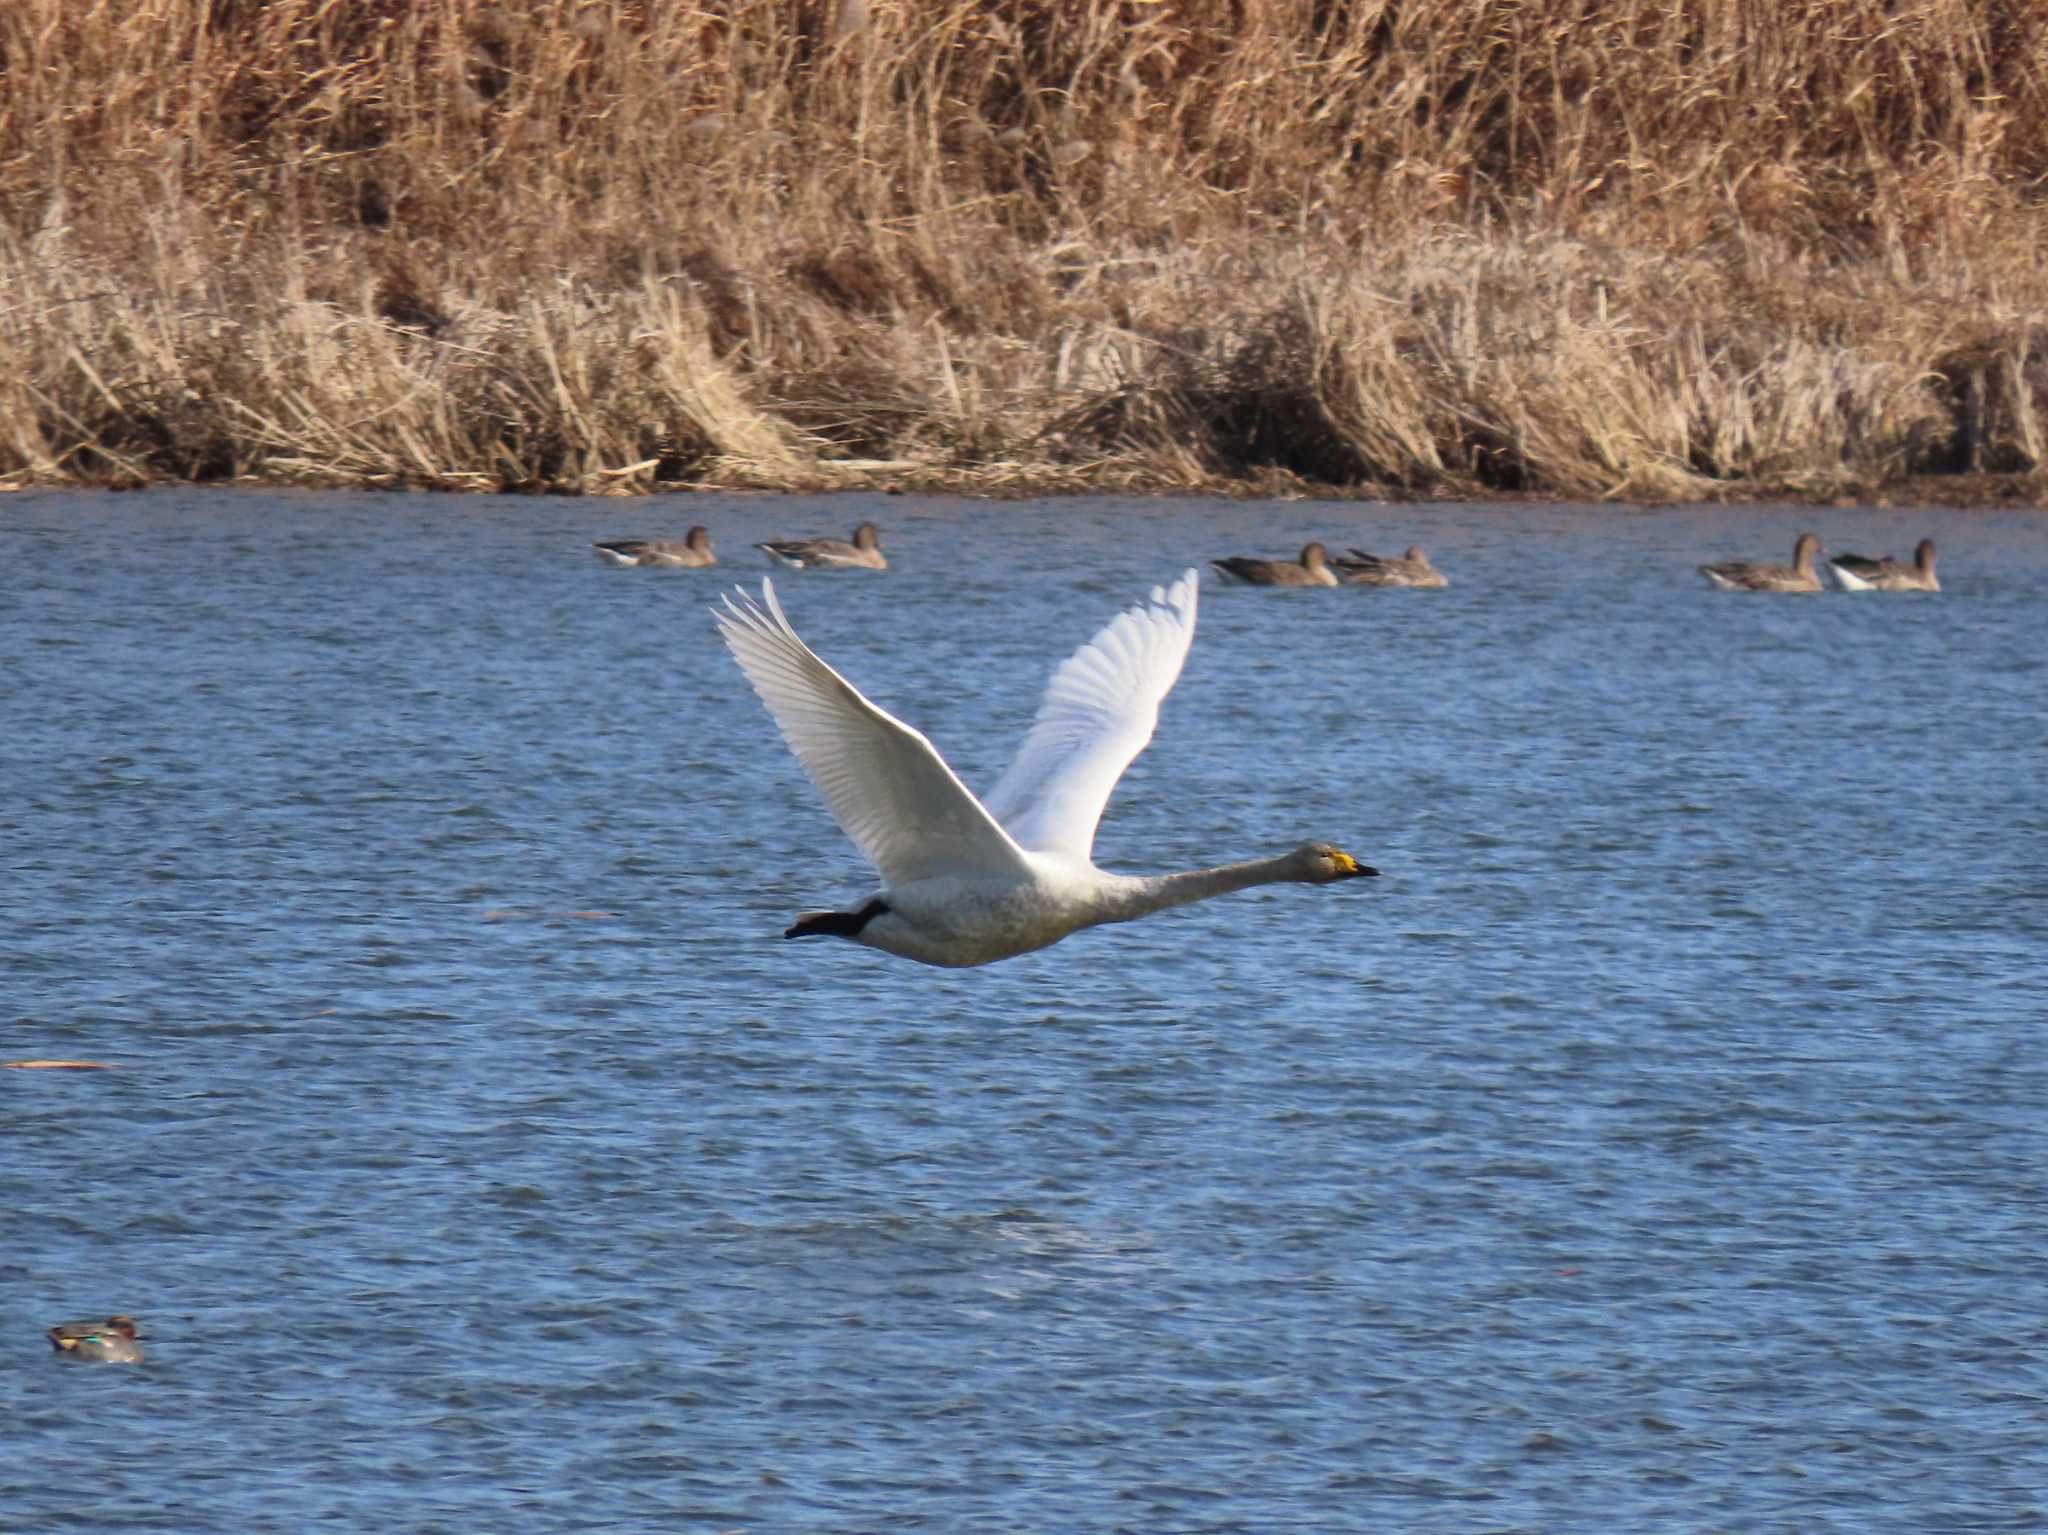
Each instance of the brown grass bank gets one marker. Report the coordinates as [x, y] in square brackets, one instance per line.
[1646, 249]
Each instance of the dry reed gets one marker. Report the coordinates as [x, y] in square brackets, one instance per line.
[1591, 248]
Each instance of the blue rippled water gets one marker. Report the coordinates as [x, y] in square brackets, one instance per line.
[1658, 1145]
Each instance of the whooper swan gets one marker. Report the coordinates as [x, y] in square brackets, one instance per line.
[965, 882]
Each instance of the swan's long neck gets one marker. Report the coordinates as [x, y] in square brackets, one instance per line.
[1135, 896]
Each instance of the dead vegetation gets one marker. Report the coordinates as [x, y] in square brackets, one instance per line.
[1562, 247]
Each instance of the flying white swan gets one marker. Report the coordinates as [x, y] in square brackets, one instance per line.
[964, 881]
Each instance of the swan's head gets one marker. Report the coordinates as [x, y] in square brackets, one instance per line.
[1318, 863]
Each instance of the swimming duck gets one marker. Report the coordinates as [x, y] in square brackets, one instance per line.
[114, 1341]
[1312, 569]
[1799, 576]
[694, 551]
[967, 881]
[1412, 569]
[1855, 573]
[864, 553]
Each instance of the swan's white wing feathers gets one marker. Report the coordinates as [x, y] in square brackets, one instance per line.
[1100, 709]
[885, 784]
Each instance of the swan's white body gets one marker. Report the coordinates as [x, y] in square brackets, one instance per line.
[965, 881]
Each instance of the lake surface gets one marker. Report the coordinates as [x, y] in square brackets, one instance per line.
[1658, 1145]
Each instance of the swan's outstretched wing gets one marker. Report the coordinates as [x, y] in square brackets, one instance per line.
[1099, 711]
[885, 784]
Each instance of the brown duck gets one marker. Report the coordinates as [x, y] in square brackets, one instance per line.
[863, 553]
[1855, 573]
[694, 552]
[1412, 569]
[1799, 576]
[1312, 569]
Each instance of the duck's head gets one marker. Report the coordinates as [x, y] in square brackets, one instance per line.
[1313, 554]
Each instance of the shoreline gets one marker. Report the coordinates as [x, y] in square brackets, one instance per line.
[1953, 492]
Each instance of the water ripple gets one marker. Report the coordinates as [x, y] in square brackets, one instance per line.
[1656, 1146]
